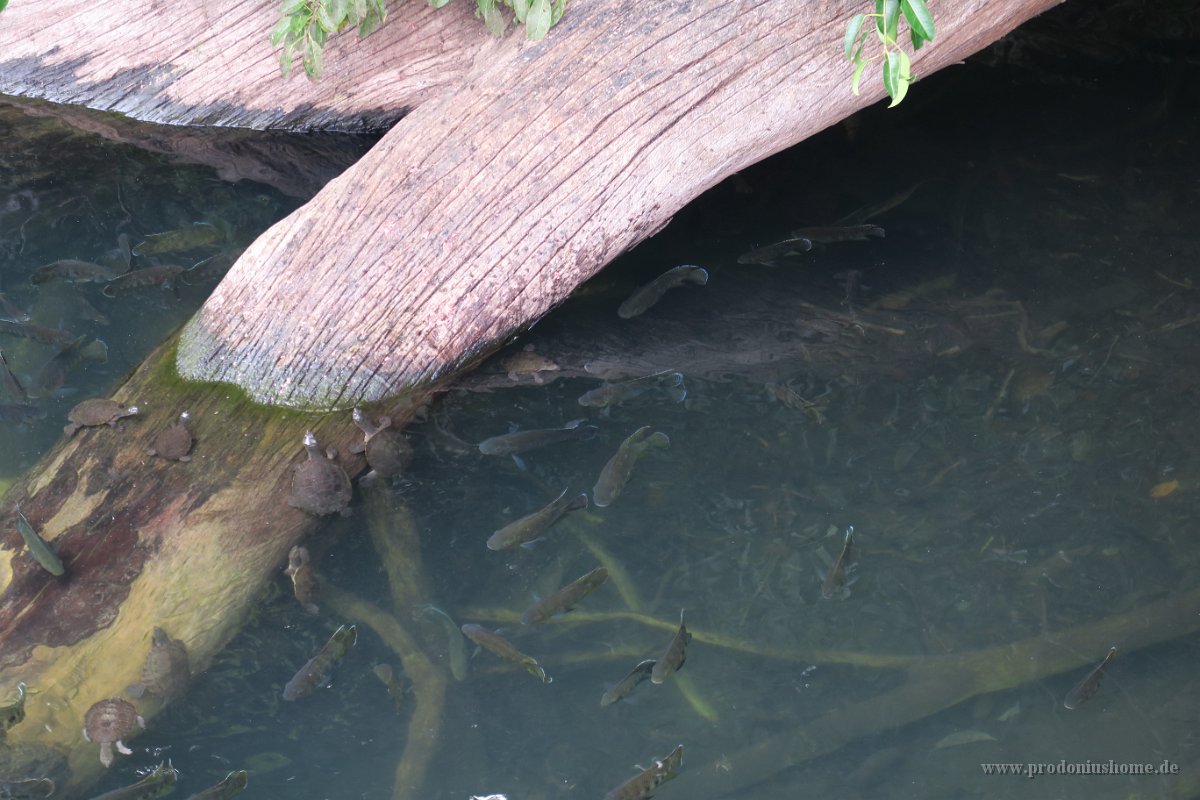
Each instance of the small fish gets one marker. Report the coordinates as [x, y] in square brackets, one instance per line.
[509, 443]
[835, 578]
[769, 255]
[565, 598]
[616, 472]
[872, 210]
[11, 312]
[526, 362]
[211, 267]
[319, 669]
[652, 292]
[230, 785]
[13, 713]
[1083, 691]
[124, 250]
[32, 789]
[674, 656]
[304, 578]
[158, 783]
[455, 644]
[39, 550]
[70, 269]
[626, 685]
[20, 413]
[11, 385]
[498, 645]
[198, 234]
[613, 394]
[532, 526]
[37, 333]
[163, 275]
[643, 785]
[840, 233]
[387, 677]
[53, 374]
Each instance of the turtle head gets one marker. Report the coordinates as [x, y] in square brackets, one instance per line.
[309, 439]
[184, 417]
[131, 411]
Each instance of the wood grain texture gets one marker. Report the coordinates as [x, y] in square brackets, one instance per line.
[489, 204]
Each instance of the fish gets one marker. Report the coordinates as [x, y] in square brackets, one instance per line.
[532, 526]
[1083, 691]
[840, 233]
[70, 269]
[835, 578]
[652, 292]
[643, 785]
[304, 578]
[616, 472]
[498, 645]
[32, 789]
[11, 385]
[211, 267]
[317, 671]
[456, 647]
[198, 234]
[509, 443]
[13, 714]
[39, 550]
[872, 210]
[158, 783]
[37, 333]
[20, 413]
[163, 275]
[53, 374]
[674, 656]
[11, 312]
[231, 784]
[124, 250]
[613, 394]
[565, 598]
[387, 676]
[770, 254]
[626, 685]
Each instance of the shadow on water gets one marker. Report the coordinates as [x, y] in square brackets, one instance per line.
[1003, 410]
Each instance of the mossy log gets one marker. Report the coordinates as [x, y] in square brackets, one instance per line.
[146, 542]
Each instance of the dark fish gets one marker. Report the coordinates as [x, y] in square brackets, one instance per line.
[616, 472]
[498, 645]
[626, 685]
[643, 785]
[454, 644]
[835, 578]
[70, 269]
[387, 676]
[613, 394]
[32, 789]
[158, 783]
[11, 312]
[12, 714]
[19, 413]
[769, 255]
[872, 210]
[652, 292]
[232, 784]
[319, 669]
[11, 385]
[198, 234]
[39, 549]
[163, 275]
[37, 333]
[674, 656]
[53, 374]
[304, 578]
[565, 598]
[840, 233]
[211, 267]
[531, 526]
[1083, 691]
[509, 443]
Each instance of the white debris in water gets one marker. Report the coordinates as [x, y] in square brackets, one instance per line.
[488, 797]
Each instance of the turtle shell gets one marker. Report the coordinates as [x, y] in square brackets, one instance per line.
[388, 452]
[110, 720]
[319, 486]
[166, 670]
[173, 442]
[97, 411]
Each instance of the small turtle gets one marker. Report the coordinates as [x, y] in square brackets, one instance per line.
[97, 411]
[174, 442]
[387, 451]
[319, 485]
[166, 670]
[108, 722]
[304, 578]
[527, 362]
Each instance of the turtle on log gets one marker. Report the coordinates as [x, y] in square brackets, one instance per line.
[319, 485]
[174, 442]
[97, 411]
[108, 722]
[166, 670]
[387, 451]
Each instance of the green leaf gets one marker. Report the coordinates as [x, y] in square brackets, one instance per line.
[291, 7]
[317, 34]
[917, 39]
[360, 11]
[520, 9]
[3, 3]
[285, 61]
[438, 3]
[859, 66]
[339, 12]
[369, 24]
[556, 11]
[278, 32]
[323, 18]
[896, 76]
[852, 31]
[890, 20]
[495, 21]
[314, 61]
[919, 19]
[538, 23]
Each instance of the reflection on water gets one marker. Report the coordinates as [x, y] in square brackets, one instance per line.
[1031, 473]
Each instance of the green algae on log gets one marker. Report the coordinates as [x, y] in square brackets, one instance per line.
[146, 542]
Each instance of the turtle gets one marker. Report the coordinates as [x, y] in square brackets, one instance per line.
[304, 578]
[166, 670]
[108, 722]
[387, 451]
[319, 485]
[174, 442]
[97, 411]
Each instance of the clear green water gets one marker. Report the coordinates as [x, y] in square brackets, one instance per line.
[999, 493]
